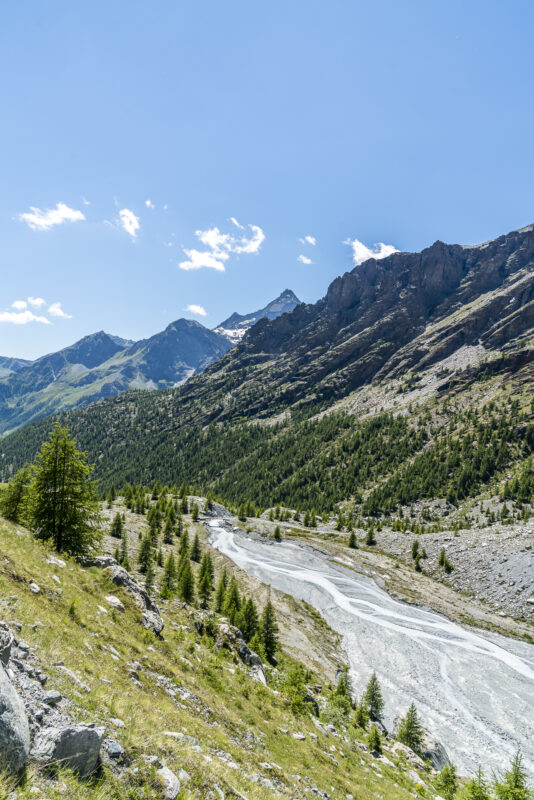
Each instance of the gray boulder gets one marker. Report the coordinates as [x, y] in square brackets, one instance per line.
[14, 730]
[169, 782]
[73, 746]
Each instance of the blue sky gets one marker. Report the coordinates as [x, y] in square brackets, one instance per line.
[383, 121]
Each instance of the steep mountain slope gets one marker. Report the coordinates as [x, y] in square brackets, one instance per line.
[235, 327]
[402, 352]
[101, 365]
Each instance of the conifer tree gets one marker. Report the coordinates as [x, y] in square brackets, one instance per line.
[361, 714]
[150, 578]
[248, 619]
[160, 557]
[168, 530]
[184, 541]
[374, 742]
[277, 536]
[62, 501]
[168, 583]
[144, 557]
[116, 526]
[513, 785]
[352, 540]
[447, 783]
[186, 584]
[220, 594]
[124, 561]
[179, 525]
[477, 788]
[184, 508]
[232, 603]
[410, 731]
[15, 494]
[373, 698]
[194, 512]
[370, 536]
[269, 631]
[195, 550]
[205, 580]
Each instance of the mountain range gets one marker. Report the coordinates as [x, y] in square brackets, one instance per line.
[371, 394]
[102, 365]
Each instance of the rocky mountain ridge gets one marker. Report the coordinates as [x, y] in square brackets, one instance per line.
[101, 365]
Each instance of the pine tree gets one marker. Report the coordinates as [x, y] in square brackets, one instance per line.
[249, 619]
[168, 582]
[410, 731]
[415, 548]
[373, 698]
[168, 530]
[179, 525]
[116, 526]
[14, 496]
[277, 535]
[194, 512]
[513, 785]
[269, 631]
[374, 742]
[220, 594]
[195, 550]
[62, 501]
[447, 783]
[370, 536]
[160, 557]
[209, 501]
[150, 578]
[124, 561]
[186, 584]
[477, 788]
[184, 508]
[232, 603]
[144, 557]
[442, 557]
[184, 541]
[352, 540]
[205, 580]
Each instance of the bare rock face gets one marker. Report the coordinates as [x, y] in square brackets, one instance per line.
[73, 746]
[433, 751]
[14, 730]
[231, 637]
[151, 616]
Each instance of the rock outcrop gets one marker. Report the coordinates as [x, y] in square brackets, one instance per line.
[151, 616]
[14, 729]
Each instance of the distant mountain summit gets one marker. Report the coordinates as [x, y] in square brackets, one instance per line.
[101, 365]
[235, 327]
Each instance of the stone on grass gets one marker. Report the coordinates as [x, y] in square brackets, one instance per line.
[74, 746]
[114, 602]
[52, 698]
[169, 782]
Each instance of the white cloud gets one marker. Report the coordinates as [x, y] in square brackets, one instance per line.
[39, 220]
[221, 246]
[22, 317]
[308, 240]
[304, 259]
[85, 201]
[129, 222]
[199, 259]
[36, 302]
[196, 309]
[149, 204]
[361, 253]
[56, 311]
[19, 305]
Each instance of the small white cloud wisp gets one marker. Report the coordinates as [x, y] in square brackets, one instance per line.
[308, 240]
[55, 310]
[196, 309]
[149, 204]
[39, 220]
[36, 302]
[304, 259]
[220, 246]
[19, 305]
[129, 222]
[361, 252]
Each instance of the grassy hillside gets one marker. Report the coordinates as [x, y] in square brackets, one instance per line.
[185, 685]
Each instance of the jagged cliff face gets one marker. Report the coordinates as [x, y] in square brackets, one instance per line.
[386, 316]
